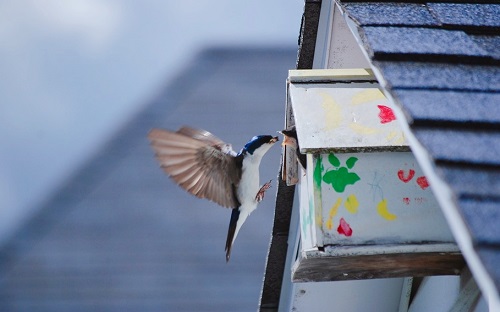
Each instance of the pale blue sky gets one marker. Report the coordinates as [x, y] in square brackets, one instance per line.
[74, 71]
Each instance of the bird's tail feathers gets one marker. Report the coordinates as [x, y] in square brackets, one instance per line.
[238, 217]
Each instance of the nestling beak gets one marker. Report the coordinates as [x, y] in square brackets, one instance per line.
[287, 140]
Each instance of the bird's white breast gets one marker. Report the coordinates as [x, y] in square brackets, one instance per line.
[247, 189]
[249, 186]
[249, 183]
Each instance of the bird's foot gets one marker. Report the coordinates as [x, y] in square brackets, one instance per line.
[260, 194]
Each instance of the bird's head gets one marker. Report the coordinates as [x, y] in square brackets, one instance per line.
[260, 144]
[289, 137]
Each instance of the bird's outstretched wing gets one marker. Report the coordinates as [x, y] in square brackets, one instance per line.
[209, 138]
[199, 162]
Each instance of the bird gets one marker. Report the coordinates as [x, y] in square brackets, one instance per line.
[290, 139]
[207, 167]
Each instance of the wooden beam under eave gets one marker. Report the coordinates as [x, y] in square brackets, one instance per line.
[337, 268]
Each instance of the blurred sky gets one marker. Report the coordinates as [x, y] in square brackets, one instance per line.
[73, 72]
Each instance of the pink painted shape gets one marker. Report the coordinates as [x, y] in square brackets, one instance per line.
[406, 179]
[422, 182]
[344, 228]
[386, 114]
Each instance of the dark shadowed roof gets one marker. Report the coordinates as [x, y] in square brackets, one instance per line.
[121, 236]
[441, 63]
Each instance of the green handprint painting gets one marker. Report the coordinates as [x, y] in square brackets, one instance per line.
[339, 177]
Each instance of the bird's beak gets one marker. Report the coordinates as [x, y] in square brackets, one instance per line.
[274, 140]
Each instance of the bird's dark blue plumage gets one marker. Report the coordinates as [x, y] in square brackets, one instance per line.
[256, 142]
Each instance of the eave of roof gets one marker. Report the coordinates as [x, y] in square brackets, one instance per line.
[276, 257]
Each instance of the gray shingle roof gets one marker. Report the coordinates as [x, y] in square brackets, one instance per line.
[440, 61]
[491, 258]
[469, 146]
[392, 42]
[462, 15]
[391, 14]
[120, 236]
[437, 104]
[440, 76]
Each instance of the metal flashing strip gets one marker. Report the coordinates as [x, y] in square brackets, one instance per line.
[331, 75]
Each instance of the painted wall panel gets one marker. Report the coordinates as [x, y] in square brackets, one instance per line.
[344, 117]
[376, 198]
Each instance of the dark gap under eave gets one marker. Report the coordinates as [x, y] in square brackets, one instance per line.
[436, 58]
[447, 124]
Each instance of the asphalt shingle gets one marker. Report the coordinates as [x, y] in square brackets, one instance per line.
[460, 77]
[489, 43]
[466, 14]
[424, 43]
[491, 258]
[482, 219]
[436, 107]
[394, 14]
[465, 146]
[472, 181]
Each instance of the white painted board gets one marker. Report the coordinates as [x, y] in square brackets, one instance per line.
[344, 117]
[371, 198]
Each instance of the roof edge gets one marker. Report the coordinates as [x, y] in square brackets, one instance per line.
[275, 262]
